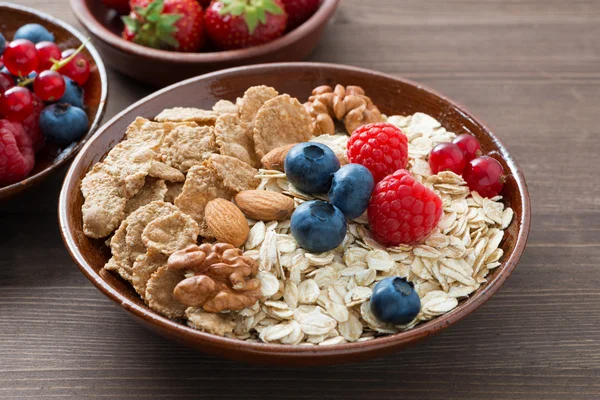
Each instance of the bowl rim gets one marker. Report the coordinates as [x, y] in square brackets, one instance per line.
[32, 179]
[87, 19]
[388, 342]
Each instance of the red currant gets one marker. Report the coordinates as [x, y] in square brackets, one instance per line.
[469, 145]
[49, 85]
[16, 104]
[6, 82]
[447, 157]
[46, 52]
[77, 69]
[20, 57]
[485, 176]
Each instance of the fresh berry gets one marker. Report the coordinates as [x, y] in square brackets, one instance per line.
[31, 124]
[318, 226]
[310, 166]
[299, 11]
[6, 82]
[447, 157]
[73, 93]
[469, 145]
[166, 24]
[20, 57]
[77, 68]
[485, 176]
[403, 210]
[34, 33]
[381, 147]
[2, 43]
[395, 301]
[16, 154]
[237, 24]
[49, 85]
[16, 104]
[351, 189]
[46, 52]
[63, 123]
[121, 6]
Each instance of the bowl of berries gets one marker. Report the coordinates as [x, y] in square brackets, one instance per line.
[296, 213]
[53, 89]
[161, 42]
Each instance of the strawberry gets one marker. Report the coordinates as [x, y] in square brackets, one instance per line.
[121, 6]
[299, 11]
[236, 24]
[165, 24]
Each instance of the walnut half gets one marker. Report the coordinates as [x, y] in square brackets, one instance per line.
[224, 279]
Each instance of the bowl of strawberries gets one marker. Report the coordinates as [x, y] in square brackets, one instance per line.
[161, 42]
[53, 89]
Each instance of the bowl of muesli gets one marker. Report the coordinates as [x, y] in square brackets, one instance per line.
[295, 213]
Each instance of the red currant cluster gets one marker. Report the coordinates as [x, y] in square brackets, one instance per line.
[463, 156]
[37, 82]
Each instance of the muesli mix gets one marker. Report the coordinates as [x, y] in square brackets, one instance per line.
[308, 224]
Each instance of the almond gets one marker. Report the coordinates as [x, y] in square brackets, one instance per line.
[226, 222]
[276, 157]
[264, 205]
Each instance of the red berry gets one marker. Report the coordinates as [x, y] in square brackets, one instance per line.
[6, 82]
[20, 57]
[77, 69]
[447, 157]
[299, 11]
[49, 85]
[485, 176]
[46, 52]
[16, 104]
[32, 124]
[469, 145]
[402, 210]
[381, 147]
[16, 154]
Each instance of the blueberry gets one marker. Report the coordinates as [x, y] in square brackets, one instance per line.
[318, 226]
[34, 33]
[73, 93]
[395, 301]
[351, 189]
[309, 167]
[2, 44]
[63, 123]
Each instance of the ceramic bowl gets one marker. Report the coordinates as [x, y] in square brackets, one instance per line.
[161, 67]
[392, 95]
[51, 158]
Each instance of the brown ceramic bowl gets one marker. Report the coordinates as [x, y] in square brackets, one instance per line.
[392, 95]
[161, 67]
[51, 158]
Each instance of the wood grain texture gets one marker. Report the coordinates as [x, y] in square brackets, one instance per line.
[530, 69]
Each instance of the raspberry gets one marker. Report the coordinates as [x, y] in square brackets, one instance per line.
[402, 210]
[16, 153]
[381, 147]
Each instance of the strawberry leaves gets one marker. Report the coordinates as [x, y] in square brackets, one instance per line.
[253, 11]
[151, 27]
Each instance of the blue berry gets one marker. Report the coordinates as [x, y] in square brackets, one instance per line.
[2, 44]
[351, 189]
[63, 123]
[395, 301]
[73, 93]
[34, 33]
[309, 167]
[318, 226]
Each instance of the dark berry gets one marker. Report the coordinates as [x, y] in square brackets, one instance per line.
[34, 33]
[310, 166]
[2, 44]
[485, 176]
[469, 145]
[351, 189]
[395, 301]
[447, 157]
[73, 93]
[63, 123]
[318, 226]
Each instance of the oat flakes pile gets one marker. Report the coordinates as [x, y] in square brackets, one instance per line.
[151, 191]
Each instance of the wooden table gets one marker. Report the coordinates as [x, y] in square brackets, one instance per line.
[530, 69]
